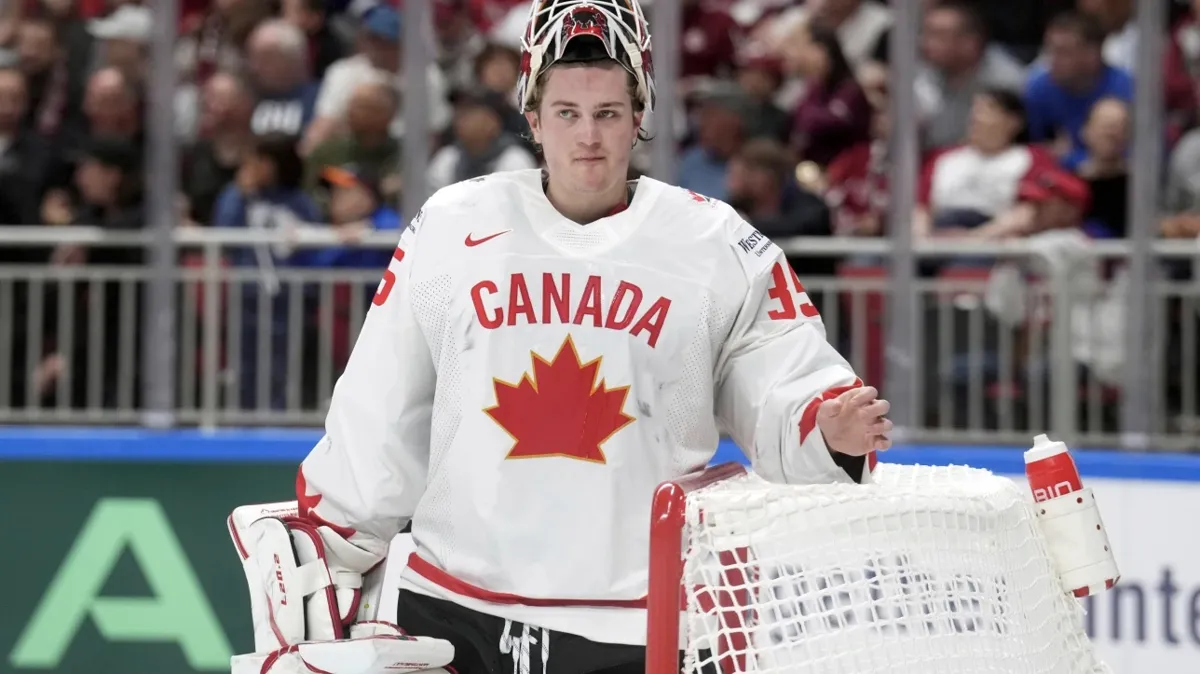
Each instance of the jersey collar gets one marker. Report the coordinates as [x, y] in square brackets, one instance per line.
[607, 231]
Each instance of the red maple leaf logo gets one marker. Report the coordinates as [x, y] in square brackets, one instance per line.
[560, 410]
[306, 504]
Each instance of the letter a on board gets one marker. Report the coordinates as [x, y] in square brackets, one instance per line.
[177, 611]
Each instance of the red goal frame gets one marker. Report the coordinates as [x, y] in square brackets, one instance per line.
[665, 595]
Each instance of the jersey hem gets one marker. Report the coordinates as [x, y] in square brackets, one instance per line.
[613, 625]
[433, 574]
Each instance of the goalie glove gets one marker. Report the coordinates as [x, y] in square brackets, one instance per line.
[314, 597]
[306, 581]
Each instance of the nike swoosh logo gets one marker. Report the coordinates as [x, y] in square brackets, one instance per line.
[471, 242]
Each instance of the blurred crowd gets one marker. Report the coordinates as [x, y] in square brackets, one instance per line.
[289, 114]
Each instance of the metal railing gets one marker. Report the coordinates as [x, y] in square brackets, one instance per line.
[253, 350]
[160, 377]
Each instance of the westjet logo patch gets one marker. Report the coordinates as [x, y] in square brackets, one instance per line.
[415, 223]
[757, 243]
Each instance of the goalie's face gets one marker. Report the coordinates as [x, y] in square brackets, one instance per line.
[586, 125]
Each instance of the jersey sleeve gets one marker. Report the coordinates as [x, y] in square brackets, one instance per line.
[776, 368]
[368, 471]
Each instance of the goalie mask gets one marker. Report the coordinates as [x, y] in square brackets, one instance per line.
[618, 25]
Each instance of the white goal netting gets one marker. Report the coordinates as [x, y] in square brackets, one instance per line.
[930, 570]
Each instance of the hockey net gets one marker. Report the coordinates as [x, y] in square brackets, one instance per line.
[928, 570]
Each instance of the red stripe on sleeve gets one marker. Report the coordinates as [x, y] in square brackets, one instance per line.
[808, 418]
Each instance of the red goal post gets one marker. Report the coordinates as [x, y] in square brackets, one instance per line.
[665, 593]
[927, 569]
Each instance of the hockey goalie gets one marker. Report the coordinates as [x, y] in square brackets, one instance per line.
[545, 348]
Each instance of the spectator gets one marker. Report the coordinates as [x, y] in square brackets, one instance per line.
[112, 108]
[107, 192]
[760, 77]
[277, 56]
[1059, 200]
[834, 113]
[481, 145]
[378, 54]
[311, 17]
[1181, 198]
[1115, 18]
[957, 63]
[856, 183]
[366, 141]
[762, 188]
[214, 41]
[77, 45]
[1020, 25]
[1103, 165]
[266, 195]
[225, 138]
[209, 42]
[1181, 220]
[497, 69]
[459, 41]
[972, 190]
[1056, 202]
[1181, 73]
[1060, 97]
[123, 38]
[22, 158]
[860, 25]
[1105, 140]
[43, 60]
[720, 119]
[357, 205]
[707, 36]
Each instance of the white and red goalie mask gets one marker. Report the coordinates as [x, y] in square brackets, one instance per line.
[618, 24]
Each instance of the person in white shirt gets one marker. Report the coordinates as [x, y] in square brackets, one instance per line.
[481, 145]
[545, 349]
[378, 59]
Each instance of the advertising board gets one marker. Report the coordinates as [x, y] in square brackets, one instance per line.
[119, 560]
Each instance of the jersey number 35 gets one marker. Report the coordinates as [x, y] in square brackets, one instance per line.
[787, 289]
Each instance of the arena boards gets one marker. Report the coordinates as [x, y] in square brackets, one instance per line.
[120, 529]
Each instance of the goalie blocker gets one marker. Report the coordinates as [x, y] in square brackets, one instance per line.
[313, 598]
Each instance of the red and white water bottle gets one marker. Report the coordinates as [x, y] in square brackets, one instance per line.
[1070, 519]
[1051, 470]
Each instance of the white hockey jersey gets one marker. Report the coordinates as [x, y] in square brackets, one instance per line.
[523, 383]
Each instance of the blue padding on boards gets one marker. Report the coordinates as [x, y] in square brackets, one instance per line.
[271, 445]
